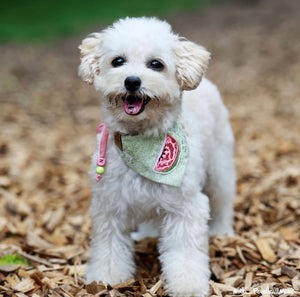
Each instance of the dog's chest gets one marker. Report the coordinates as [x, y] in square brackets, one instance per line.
[124, 186]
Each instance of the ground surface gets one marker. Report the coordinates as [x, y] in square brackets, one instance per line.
[48, 121]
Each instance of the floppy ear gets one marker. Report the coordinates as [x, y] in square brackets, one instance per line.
[192, 60]
[90, 54]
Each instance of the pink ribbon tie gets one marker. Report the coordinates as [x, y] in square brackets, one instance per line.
[101, 161]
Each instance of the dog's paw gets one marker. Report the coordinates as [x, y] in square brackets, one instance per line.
[221, 230]
[94, 273]
[105, 278]
[189, 286]
[186, 275]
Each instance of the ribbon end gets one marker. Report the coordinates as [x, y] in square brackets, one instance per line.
[99, 176]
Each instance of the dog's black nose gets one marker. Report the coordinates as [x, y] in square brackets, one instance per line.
[132, 83]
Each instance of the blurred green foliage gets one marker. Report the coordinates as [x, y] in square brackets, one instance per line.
[41, 20]
[14, 259]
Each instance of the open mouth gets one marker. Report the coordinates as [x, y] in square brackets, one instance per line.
[134, 105]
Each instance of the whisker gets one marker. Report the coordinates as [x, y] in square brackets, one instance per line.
[156, 100]
[114, 101]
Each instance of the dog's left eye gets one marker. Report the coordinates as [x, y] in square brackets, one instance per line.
[117, 62]
[155, 65]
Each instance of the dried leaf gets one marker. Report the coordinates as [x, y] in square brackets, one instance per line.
[265, 250]
[290, 272]
[92, 288]
[26, 285]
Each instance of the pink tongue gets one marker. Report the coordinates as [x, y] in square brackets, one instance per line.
[132, 106]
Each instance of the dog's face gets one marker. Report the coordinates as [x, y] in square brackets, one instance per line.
[141, 68]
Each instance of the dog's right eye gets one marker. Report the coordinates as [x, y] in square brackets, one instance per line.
[117, 62]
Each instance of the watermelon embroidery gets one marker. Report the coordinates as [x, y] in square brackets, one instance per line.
[168, 155]
[162, 159]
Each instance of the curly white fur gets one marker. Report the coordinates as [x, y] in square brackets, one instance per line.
[185, 216]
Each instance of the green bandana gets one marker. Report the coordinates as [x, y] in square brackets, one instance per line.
[161, 159]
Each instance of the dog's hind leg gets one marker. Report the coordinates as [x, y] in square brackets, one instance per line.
[146, 229]
[221, 185]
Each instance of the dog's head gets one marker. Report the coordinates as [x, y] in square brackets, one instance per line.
[141, 68]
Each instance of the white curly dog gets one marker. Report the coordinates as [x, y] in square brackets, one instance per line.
[167, 149]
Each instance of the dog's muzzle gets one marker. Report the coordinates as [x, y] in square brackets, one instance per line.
[134, 104]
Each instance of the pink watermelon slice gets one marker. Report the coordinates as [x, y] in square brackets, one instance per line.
[168, 155]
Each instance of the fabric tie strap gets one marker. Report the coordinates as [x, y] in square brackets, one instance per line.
[101, 161]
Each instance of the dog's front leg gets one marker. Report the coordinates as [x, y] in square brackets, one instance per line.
[111, 259]
[184, 248]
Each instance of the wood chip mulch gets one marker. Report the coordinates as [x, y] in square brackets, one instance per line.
[48, 121]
